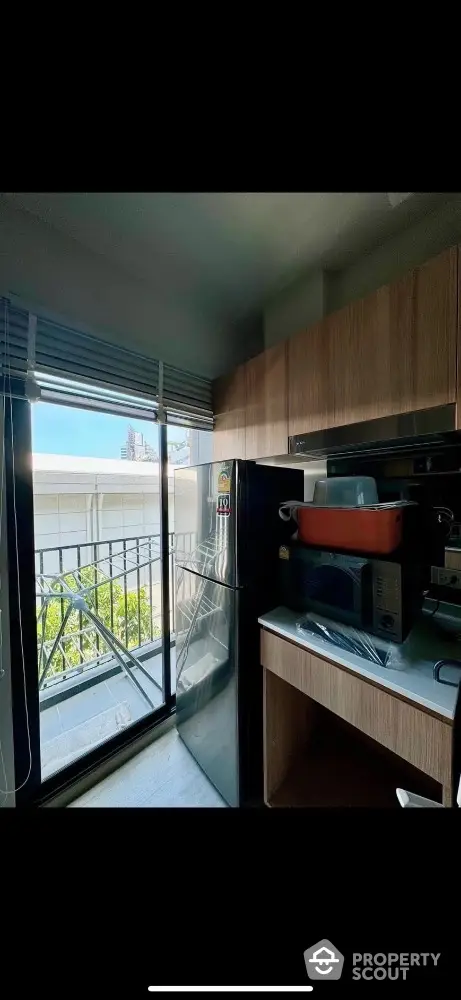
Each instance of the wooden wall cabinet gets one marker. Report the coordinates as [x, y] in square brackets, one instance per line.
[250, 407]
[423, 334]
[310, 383]
[391, 352]
[266, 409]
[229, 396]
[394, 351]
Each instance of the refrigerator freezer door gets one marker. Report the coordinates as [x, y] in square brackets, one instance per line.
[206, 678]
[205, 512]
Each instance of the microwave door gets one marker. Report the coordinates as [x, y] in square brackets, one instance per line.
[333, 585]
[335, 588]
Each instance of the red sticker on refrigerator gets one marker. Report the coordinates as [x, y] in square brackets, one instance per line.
[223, 507]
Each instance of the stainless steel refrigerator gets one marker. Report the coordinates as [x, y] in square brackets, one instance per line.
[227, 537]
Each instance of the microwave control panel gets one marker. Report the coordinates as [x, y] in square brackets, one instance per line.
[387, 600]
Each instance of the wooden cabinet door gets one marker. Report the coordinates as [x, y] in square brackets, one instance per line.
[310, 399]
[266, 417]
[359, 360]
[229, 396]
[423, 309]
[407, 730]
[395, 350]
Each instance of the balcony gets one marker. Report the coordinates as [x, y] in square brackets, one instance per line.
[99, 632]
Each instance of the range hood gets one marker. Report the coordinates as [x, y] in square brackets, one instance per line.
[403, 433]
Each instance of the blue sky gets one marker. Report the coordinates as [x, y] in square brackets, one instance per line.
[64, 430]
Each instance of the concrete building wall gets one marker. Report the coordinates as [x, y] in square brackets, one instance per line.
[76, 508]
[73, 508]
[67, 518]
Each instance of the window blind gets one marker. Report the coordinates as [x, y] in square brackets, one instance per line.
[31, 343]
[186, 398]
[60, 350]
[14, 340]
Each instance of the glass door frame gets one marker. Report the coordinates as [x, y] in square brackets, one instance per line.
[18, 485]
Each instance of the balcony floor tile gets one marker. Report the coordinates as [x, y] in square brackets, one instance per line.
[72, 714]
[50, 724]
[122, 689]
[84, 705]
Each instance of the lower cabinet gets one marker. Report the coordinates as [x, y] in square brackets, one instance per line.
[333, 739]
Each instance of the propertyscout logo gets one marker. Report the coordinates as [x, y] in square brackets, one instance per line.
[324, 961]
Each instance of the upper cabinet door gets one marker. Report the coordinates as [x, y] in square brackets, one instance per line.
[391, 352]
[359, 360]
[423, 319]
[266, 422]
[310, 395]
[395, 350]
[229, 397]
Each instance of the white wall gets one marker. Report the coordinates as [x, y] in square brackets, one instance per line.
[421, 241]
[296, 307]
[70, 283]
[317, 293]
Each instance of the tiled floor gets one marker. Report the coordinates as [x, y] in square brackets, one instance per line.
[163, 775]
[74, 726]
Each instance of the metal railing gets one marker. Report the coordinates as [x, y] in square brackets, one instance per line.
[129, 603]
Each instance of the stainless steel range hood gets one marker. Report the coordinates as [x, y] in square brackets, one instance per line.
[404, 432]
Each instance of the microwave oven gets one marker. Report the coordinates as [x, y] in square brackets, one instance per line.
[377, 595]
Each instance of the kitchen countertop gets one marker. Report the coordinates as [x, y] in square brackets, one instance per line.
[411, 662]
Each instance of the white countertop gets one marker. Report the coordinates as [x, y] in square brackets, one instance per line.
[411, 662]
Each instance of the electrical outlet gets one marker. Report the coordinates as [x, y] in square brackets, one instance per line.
[443, 577]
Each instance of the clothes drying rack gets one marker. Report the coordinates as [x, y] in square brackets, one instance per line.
[204, 559]
[71, 589]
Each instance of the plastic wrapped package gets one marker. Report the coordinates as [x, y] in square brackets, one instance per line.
[350, 639]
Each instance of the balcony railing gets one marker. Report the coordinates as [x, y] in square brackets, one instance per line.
[120, 581]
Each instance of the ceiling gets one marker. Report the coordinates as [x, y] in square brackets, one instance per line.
[221, 255]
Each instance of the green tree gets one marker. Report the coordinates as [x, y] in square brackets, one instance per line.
[124, 623]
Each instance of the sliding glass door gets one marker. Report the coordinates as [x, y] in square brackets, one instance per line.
[87, 550]
[89, 502]
[97, 493]
[89, 558]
